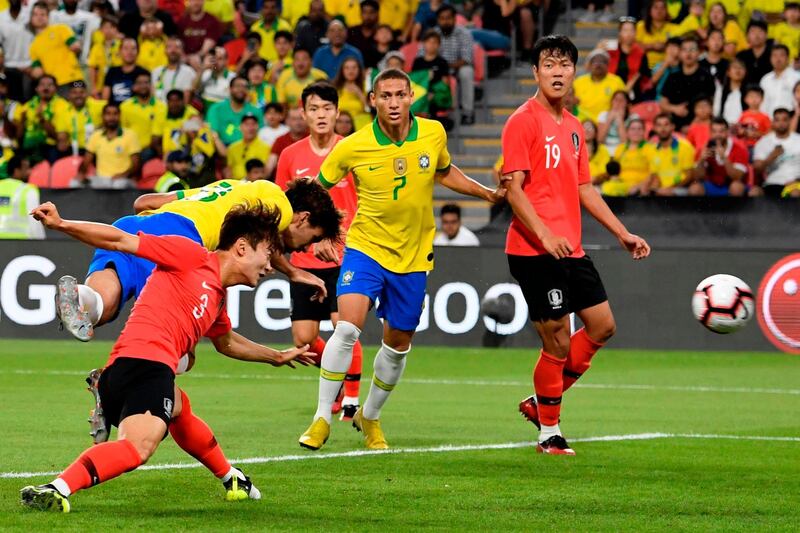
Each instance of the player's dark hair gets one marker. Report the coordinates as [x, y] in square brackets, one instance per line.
[255, 224]
[703, 97]
[781, 46]
[253, 35]
[753, 88]
[298, 49]
[720, 121]
[177, 93]
[715, 30]
[235, 78]
[667, 116]
[322, 89]
[431, 33]
[274, 105]
[371, 3]
[774, 113]
[450, 209]
[283, 34]
[691, 37]
[46, 77]
[253, 164]
[555, 46]
[444, 8]
[675, 41]
[309, 195]
[390, 74]
[143, 73]
[757, 23]
[110, 105]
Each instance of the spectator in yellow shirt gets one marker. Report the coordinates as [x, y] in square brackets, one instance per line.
[399, 14]
[104, 54]
[247, 148]
[349, 83]
[269, 24]
[788, 32]
[598, 152]
[54, 50]
[635, 158]
[293, 80]
[673, 163]
[74, 127]
[349, 10]
[652, 32]
[294, 10]
[35, 121]
[595, 89]
[284, 42]
[735, 40]
[143, 115]
[113, 151]
[152, 45]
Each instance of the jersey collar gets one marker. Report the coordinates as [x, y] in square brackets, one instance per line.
[384, 140]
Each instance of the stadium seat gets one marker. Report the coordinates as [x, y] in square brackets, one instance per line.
[409, 52]
[40, 175]
[235, 49]
[64, 171]
[151, 172]
[647, 111]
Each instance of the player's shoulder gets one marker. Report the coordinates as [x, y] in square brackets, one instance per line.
[363, 138]
[527, 115]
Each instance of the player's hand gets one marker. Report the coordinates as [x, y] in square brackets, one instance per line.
[48, 215]
[299, 355]
[681, 110]
[637, 246]
[326, 251]
[498, 194]
[558, 247]
[298, 275]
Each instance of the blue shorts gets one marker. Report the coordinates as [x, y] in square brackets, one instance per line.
[713, 189]
[133, 271]
[400, 296]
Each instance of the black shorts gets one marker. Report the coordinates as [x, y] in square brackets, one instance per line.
[556, 287]
[135, 386]
[303, 308]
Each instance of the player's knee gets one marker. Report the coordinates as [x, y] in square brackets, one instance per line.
[347, 332]
[555, 341]
[605, 331]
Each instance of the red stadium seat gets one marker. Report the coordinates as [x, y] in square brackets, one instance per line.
[64, 171]
[235, 49]
[151, 172]
[40, 175]
[647, 111]
[409, 52]
[479, 62]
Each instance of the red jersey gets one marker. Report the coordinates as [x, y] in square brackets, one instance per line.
[182, 301]
[738, 155]
[555, 161]
[300, 161]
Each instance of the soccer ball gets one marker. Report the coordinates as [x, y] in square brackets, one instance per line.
[723, 303]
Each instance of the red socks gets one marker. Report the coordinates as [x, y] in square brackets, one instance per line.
[548, 380]
[581, 350]
[101, 463]
[352, 380]
[196, 438]
[318, 346]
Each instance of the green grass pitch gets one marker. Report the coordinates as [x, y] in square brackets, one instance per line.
[716, 446]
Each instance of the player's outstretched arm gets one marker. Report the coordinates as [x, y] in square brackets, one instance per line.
[597, 207]
[237, 346]
[556, 245]
[453, 178]
[94, 234]
[153, 200]
[298, 275]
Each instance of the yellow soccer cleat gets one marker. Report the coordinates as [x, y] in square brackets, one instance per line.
[373, 434]
[316, 435]
[44, 498]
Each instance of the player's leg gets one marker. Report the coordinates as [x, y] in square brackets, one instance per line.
[194, 437]
[359, 284]
[400, 306]
[307, 332]
[352, 379]
[590, 303]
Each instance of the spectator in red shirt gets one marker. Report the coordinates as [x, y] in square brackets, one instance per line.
[700, 128]
[753, 124]
[723, 164]
[199, 32]
[182, 301]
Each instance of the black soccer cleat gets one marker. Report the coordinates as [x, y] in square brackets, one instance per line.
[555, 445]
[237, 489]
[44, 498]
[348, 412]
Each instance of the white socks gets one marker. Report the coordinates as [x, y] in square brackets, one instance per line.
[350, 400]
[61, 486]
[388, 367]
[232, 472]
[336, 360]
[91, 302]
[548, 431]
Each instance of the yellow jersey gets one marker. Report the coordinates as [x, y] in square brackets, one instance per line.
[145, 119]
[394, 181]
[599, 160]
[27, 116]
[152, 53]
[636, 166]
[50, 50]
[294, 10]
[395, 13]
[349, 10]
[103, 56]
[240, 153]
[267, 50]
[658, 36]
[113, 156]
[595, 96]
[671, 163]
[76, 123]
[207, 206]
[787, 35]
[222, 9]
[289, 87]
[174, 138]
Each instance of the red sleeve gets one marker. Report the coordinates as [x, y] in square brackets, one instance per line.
[221, 325]
[283, 174]
[584, 176]
[518, 137]
[766, 123]
[171, 252]
[739, 154]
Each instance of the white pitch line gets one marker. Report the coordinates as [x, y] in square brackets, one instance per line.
[458, 382]
[446, 448]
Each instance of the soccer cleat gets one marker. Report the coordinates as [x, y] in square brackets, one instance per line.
[373, 434]
[97, 420]
[44, 498]
[348, 412]
[68, 308]
[337, 405]
[237, 489]
[555, 445]
[316, 435]
[530, 411]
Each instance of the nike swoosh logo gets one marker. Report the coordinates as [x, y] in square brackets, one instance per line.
[375, 168]
[301, 171]
[548, 139]
[206, 287]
